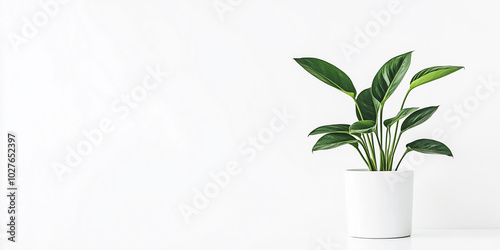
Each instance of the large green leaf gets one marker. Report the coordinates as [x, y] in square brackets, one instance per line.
[328, 73]
[431, 74]
[389, 77]
[428, 146]
[362, 127]
[401, 114]
[334, 140]
[367, 105]
[418, 117]
[335, 128]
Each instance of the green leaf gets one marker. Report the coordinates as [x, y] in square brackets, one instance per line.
[368, 106]
[334, 140]
[328, 73]
[431, 74]
[401, 114]
[428, 146]
[335, 128]
[389, 77]
[362, 127]
[418, 117]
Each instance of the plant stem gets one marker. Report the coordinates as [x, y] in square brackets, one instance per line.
[362, 156]
[404, 100]
[363, 143]
[382, 154]
[378, 141]
[379, 145]
[394, 142]
[406, 152]
[396, 145]
[372, 148]
[387, 147]
[357, 107]
[369, 153]
[370, 163]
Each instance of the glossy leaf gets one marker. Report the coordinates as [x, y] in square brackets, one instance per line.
[418, 117]
[328, 73]
[428, 146]
[431, 74]
[362, 127]
[334, 140]
[368, 106]
[335, 128]
[401, 114]
[389, 77]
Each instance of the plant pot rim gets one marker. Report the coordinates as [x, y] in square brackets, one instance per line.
[368, 171]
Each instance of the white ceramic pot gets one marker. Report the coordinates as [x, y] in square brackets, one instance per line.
[379, 203]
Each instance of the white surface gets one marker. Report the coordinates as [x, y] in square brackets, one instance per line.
[457, 239]
[221, 112]
[379, 204]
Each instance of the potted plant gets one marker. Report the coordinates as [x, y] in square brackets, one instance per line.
[379, 198]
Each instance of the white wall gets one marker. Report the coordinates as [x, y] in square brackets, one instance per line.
[231, 77]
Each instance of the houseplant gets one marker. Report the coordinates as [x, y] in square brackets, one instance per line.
[379, 199]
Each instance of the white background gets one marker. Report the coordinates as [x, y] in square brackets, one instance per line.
[230, 70]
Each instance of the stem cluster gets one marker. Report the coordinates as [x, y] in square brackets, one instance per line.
[387, 142]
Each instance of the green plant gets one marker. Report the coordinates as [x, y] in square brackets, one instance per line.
[371, 135]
